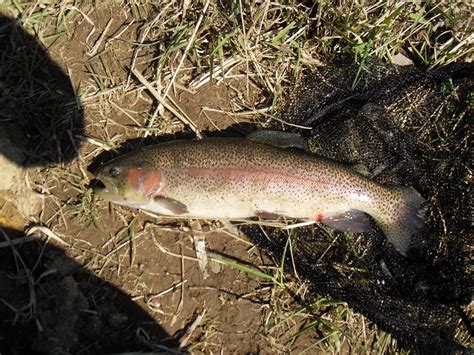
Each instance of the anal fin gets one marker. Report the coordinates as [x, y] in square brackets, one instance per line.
[354, 221]
[267, 215]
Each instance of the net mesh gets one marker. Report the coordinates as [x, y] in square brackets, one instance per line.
[405, 127]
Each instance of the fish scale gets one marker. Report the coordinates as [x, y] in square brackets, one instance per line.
[235, 178]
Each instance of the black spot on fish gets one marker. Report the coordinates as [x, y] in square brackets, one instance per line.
[114, 171]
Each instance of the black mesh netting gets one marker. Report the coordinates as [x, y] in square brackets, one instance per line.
[406, 127]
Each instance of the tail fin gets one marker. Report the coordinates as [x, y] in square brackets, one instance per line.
[405, 217]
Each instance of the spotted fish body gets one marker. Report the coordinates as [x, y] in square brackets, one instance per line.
[234, 178]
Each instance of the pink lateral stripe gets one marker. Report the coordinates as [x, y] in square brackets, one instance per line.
[251, 173]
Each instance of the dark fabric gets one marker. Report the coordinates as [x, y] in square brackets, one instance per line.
[406, 127]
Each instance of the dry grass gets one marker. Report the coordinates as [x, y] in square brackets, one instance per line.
[129, 71]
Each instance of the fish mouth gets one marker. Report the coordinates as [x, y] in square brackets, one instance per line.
[109, 192]
[103, 188]
[97, 185]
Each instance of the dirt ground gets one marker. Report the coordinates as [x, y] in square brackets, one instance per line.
[66, 294]
[103, 278]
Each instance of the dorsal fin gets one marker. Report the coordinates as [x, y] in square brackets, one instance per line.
[279, 139]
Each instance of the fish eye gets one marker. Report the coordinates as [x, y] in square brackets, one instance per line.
[114, 171]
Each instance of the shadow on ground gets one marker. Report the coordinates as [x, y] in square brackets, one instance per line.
[51, 304]
[48, 302]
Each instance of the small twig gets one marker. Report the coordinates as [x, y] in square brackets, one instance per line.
[120, 33]
[238, 114]
[132, 241]
[97, 142]
[181, 301]
[16, 241]
[142, 39]
[188, 47]
[230, 234]
[199, 239]
[170, 108]
[123, 244]
[31, 306]
[215, 259]
[205, 78]
[97, 44]
[297, 225]
[263, 112]
[125, 113]
[292, 256]
[265, 223]
[87, 18]
[48, 232]
[74, 146]
[168, 290]
[193, 327]
[327, 249]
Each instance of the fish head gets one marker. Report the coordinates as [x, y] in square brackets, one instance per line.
[127, 184]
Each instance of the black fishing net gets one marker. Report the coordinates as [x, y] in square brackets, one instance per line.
[407, 127]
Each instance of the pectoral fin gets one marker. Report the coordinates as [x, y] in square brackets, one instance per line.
[354, 221]
[279, 139]
[173, 206]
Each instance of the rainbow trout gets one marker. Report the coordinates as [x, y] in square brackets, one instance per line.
[235, 178]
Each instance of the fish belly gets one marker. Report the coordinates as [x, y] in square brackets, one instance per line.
[240, 193]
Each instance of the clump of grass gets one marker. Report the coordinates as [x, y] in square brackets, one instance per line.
[331, 326]
[47, 20]
[84, 205]
[270, 44]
